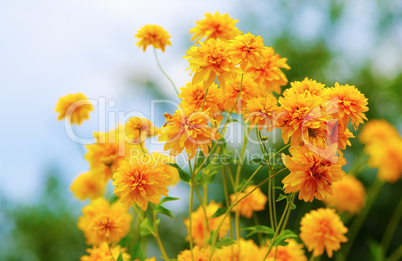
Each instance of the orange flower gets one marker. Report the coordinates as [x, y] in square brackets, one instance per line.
[249, 90]
[154, 35]
[299, 115]
[322, 228]
[194, 94]
[108, 151]
[348, 101]
[387, 157]
[102, 253]
[199, 254]
[312, 174]
[156, 159]
[215, 26]
[76, 107]
[88, 185]
[260, 112]
[349, 195]
[198, 224]
[377, 131]
[249, 49]
[249, 251]
[140, 182]
[291, 252]
[212, 58]
[269, 76]
[187, 129]
[254, 202]
[307, 85]
[139, 129]
[101, 221]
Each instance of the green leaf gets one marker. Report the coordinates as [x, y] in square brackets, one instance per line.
[293, 206]
[183, 175]
[219, 212]
[164, 211]
[281, 197]
[222, 142]
[226, 241]
[120, 258]
[146, 227]
[260, 229]
[166, 199]
[376, 251]
[234, 120]
[280, 240]
[199, 160]
[279, 187]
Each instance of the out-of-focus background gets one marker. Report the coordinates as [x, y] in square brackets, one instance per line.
[49, 49]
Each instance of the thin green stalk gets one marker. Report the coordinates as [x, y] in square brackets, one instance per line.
[164, 73]
[391, 228]
[225, 191]
[205, 97]
[190, 210]
[257, 223]
[158, 238]
[235, 202]
[202, 204]
[110, 251]
[274, 202]
[360, 218]
[396, 255]
[281, 223]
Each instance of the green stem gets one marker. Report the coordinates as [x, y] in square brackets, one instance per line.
[257, 223]
[164, 73]
[391, 228]
[396, 255]
[110, 251]
[281, 224]
[235, 202]
[360, 218]
[158, 238]
[190, 210]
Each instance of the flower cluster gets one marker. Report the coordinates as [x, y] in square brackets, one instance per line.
[232, 73]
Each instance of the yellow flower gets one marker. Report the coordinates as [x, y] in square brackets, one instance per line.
[348, 101]
[139, 129]
[75, 107]
[249, 90]
[299, 115]
[102, 253]
[101, 221]
[307, 85]
[377, 131]
[387, 157]
[291, 252]
[194, 94]
[198, 224]
[88, 186]
[108, 151]
[212, 58]
[153, 35]
[140, 182]
[349, 195]
[254, 202]
[260, 112]
[269, 76]
[322, 228]
[249, 251]
[187, 129]
[215, 26]
[312, 174]
[199, 254]
[249, 49]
